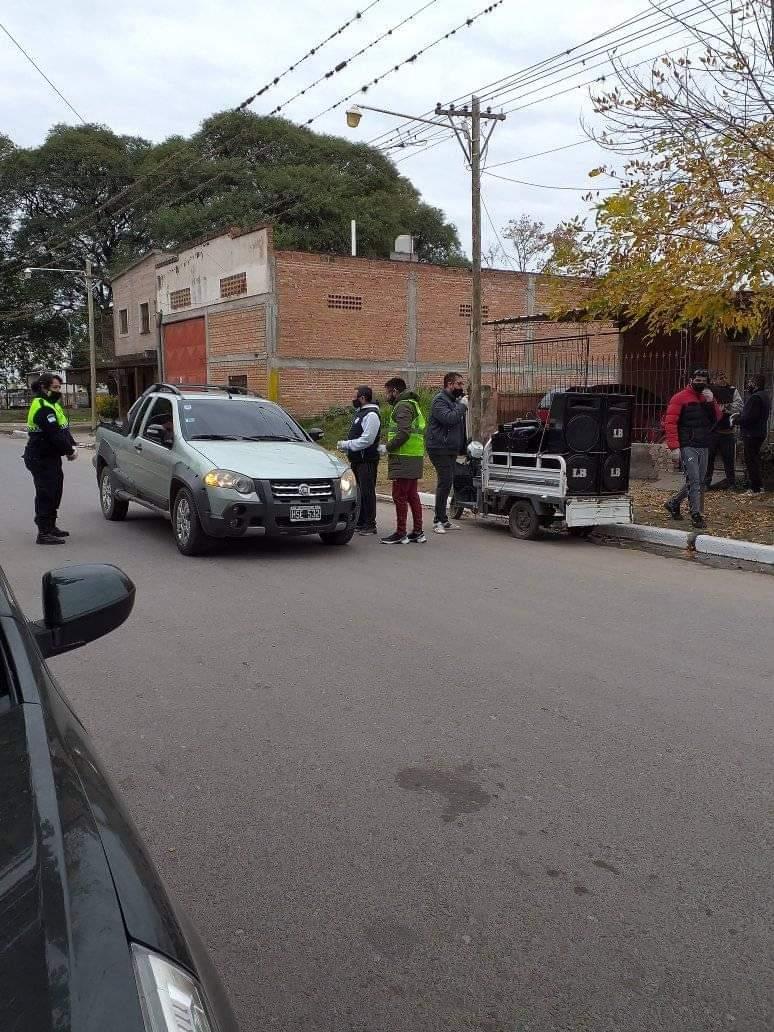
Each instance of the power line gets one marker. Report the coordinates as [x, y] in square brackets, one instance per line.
[409, 60]
[546, 186]
[494, 230]
[310, 53]
[435, 139]
[344, 64]
[551, 66]
[540, 154]
[37, 67]
[539, 64]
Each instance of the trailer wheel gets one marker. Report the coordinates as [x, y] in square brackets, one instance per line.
[523, 521]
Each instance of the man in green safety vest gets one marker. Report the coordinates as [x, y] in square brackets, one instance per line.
[405, 448]
[49, 440]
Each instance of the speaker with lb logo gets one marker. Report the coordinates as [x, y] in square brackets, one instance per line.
[575, 422]
[618, 421]
[582, 473]
[614, 473]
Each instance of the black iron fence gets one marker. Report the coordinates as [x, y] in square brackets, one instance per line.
[529, 373]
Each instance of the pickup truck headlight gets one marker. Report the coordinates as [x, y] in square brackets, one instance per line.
[225, 478]
[171, 1000]
[348, 484]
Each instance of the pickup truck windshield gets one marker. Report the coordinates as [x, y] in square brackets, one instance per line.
[214, 419]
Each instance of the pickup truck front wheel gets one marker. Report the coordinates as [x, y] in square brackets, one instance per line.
[186, 526]
[112, 508]
[338, 537]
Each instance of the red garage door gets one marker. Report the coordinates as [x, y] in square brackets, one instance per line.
[185, 352]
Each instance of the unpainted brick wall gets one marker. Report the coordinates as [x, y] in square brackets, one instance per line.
[254, 370]
[237, 331]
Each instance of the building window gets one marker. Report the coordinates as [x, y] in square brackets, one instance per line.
[145, 317]
[123, 321]
[238, 381]
[466, 310]
[180, 298]
[233, 286]
[346, 302]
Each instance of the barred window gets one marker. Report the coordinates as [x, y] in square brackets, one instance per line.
[123, 321]
[180, 298]
[466, 310]
[238, 381]
[233, 286]
[346, 302]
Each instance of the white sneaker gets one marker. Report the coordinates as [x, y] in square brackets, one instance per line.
[438, 528]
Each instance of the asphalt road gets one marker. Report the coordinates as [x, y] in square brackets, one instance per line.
[478, 784]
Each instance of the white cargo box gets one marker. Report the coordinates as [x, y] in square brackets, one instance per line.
[598, 510]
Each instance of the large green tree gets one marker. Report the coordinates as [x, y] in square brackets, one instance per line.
[87, 192]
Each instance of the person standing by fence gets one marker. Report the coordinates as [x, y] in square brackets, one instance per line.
[723, 440]
[754, 424]
[691, 417]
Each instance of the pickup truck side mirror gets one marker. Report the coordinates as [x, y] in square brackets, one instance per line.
[80, 604]
[316, 433]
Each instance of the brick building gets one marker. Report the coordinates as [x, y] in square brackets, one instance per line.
[304, 328]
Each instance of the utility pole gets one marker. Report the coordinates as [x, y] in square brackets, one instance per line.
[92, 347]
[470, 140]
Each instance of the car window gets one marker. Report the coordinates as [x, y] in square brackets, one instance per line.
[135, 414]
[235, 420]
[160, 415]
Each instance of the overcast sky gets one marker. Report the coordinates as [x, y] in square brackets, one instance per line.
[152, 70]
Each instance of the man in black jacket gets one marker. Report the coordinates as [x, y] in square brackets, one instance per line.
[445, 439]
[723, 440]
[362, 447]
[754, 424]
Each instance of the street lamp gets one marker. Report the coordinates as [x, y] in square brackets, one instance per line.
[86, 272]
[474, 150]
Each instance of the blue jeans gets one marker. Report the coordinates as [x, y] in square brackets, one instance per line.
[694, 462]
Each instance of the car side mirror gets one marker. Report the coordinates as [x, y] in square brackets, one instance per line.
[80, 604]
[316, 433]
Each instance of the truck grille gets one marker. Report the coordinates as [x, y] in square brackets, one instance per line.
[302, 490]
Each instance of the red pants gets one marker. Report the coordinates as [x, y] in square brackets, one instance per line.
[405, 494]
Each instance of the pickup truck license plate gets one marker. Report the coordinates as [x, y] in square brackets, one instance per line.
[305, 513]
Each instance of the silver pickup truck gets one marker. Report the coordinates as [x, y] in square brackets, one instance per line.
[222, 463]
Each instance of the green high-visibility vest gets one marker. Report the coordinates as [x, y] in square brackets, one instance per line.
[36, 406]
[414, 447]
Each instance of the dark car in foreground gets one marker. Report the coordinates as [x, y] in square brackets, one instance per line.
[89, 940]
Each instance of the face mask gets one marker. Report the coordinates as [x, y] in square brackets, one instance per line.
[699, 387]
[357, 403]
[457, 392]
[55, 396]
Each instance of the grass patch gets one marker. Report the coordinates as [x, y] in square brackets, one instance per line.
[728, 514]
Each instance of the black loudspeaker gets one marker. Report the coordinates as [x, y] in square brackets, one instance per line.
[582, 473]
[617, 427]
[614, 473]
[575, 423]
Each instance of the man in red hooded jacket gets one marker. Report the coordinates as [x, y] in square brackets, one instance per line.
[691, 417]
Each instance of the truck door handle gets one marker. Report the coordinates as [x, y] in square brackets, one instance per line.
[138, 446]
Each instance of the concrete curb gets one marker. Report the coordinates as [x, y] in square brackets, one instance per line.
[730, 548]
[650, 535]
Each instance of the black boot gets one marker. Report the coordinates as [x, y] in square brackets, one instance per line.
[47, 538]
[673, 510]
[59, 533]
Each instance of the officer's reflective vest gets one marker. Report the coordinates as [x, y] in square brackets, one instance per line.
[414, 447]
[36, 406]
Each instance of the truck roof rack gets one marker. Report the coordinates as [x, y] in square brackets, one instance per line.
[179, 390]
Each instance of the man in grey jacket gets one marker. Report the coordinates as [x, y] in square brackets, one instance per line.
[445, 439]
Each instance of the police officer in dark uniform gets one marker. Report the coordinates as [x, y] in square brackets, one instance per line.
[362, 447]
[49, 440]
